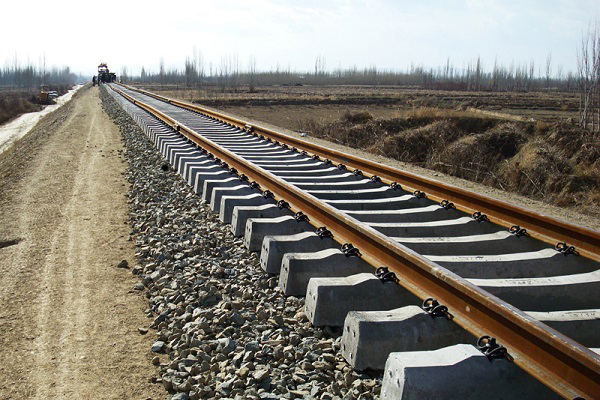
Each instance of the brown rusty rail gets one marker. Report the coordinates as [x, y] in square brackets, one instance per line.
[567, 367]
[542, 227]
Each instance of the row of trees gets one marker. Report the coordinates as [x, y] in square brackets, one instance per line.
[29, 76]
[231, 74]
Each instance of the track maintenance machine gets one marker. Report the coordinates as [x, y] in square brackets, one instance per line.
[104, 74]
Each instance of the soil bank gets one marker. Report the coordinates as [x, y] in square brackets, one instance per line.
[68, 316]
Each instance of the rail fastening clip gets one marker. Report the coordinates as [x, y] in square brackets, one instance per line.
[518, 231]
[419, 194]
[488, 346]
[254, 185]
[385, 275]
[563, 247]
[283, 204]
[300, 216]
[479, 216]
[434, 308]
[447, 204]
[323, 232]
[350, 250]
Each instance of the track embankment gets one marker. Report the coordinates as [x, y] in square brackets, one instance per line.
[68, 316]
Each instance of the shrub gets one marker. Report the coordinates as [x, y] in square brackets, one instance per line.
[360, 117]
[550, 161]
[14, 104]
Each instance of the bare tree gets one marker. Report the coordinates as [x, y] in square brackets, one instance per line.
[223, 74]
[190, 72]
[588, 68]
[559, 73]
[252, 73]
[478, 74]
[199, 64]
[548, 70]
[320, 67]
[162, 71]
[124, 75]
[531, 75]
[234, 81]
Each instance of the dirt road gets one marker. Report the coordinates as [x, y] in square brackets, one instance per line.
[68, 316]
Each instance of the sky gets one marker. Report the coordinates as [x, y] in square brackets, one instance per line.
[288, 34]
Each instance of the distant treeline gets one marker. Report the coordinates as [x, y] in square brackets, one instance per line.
[230, 76]
[30, 77]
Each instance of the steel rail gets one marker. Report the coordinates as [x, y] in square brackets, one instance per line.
[539, 226]
[562, 364]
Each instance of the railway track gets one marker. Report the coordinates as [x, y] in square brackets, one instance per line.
[323, 220]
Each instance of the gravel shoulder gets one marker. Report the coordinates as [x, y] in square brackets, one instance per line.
[68, 316]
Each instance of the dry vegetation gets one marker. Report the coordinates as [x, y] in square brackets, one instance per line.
[548, 161]
[527, 143]
[15, 103]
[20, 84]
[382, 101]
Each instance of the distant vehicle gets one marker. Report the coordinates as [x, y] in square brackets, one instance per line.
[104, 75]
[44, 96]
[53, 94]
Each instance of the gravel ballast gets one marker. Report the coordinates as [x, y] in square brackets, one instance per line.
[223, 328]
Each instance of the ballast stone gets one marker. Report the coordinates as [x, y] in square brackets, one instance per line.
[457, 372]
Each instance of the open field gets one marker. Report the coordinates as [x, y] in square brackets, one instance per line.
[328, 103]
[525, 143]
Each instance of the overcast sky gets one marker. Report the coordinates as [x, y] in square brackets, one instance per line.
[386, 33]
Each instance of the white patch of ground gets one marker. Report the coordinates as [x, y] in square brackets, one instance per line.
[16, 129]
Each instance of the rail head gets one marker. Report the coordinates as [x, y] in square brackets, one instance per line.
[548, 229]
[567, 367]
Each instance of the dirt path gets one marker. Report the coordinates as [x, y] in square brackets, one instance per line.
[68, 316]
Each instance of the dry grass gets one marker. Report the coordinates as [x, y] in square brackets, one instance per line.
[551, 106]
[546, 161]
[13, 104]
[439, 113]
